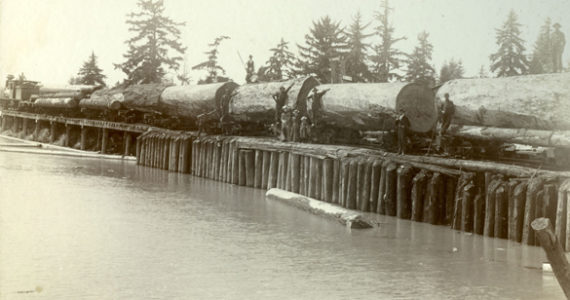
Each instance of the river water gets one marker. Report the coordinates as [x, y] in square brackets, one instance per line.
[74, 228]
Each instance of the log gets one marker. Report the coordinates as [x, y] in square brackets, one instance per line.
[534, 137]
[194, 100]
[64, 103]
[104, 99]
[373, 106]
[530, 101]
[143, 97]
[419, 188]
[404, 184]
[554, 252]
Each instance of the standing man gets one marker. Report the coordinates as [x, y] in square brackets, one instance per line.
[280, 99]
[402, 125]
[447, 112]
[317, 104]
[250, 69]
[285, 120]
[558, 43]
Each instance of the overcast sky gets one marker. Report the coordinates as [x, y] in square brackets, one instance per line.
[49, 40]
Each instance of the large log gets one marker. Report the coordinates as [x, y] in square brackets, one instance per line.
[143, 97]
[194, 100]
[254, 102]
[373, 106]
[52, 89]
[531, 101]
[56, 102]
[104, 99]
[534, 137]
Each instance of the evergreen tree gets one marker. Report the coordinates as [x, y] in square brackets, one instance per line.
[386, 60]
[279, 65]
[510, 59]
[419, 68]
[90, 73]
[451, 70]
[542, 54]
[211, 65]
[356, 58]
[483, 72]
[153, 46]
[325, 42]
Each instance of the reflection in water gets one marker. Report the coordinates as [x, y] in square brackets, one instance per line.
[91, 229]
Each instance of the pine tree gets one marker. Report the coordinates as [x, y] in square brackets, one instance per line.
[325, 42]
[419, 68]
[541, 61]
[483, 72]
[510, 59]
[451, 70]
[151, 49]
[211, 65]
[90, 73]
[279, 65]
[386, 60]
[356, 58]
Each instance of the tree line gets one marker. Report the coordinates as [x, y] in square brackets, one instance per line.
[329, 49]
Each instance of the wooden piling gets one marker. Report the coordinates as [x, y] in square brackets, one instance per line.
[37, 128]
[534, 186]
[52, 132]
[306, 174]
[450, 186]
[343, 179]
[335, 181]
[327, 184]
[242, 168]
[363, 189]
[391, 189]
[352, 184]
[249, 156]
[265, 175]
[489, 227]
[295, 169]
[433, 203]
[104, 140]
[287, 185]
[501, 212]
[562, 227]
[419, 188]
[273, 169]
[519, 203]
[375, 171]
[405, 174]
[302, 182]
[282, 169]
[258, 165]
[479, 212]
[381, 208]
[217, 159]
[549, 202]
[467, 207]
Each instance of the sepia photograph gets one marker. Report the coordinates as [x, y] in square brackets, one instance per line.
[284, 149]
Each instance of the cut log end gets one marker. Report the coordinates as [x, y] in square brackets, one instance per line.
[541, 224]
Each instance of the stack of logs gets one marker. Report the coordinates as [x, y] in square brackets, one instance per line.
[487, 203]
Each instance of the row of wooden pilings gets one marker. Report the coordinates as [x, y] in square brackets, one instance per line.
[484, 203]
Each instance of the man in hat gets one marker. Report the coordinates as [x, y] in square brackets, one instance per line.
[447, 112]
[304, 129]
[402, 126]
[280, 99]
[294, 132]
[285, 120]
[250, 69]
[558, 43]
[317, 104]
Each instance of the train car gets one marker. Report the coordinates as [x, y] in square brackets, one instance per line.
[17, 94]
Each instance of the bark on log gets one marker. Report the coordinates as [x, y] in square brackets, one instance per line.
[531, 101]
[104, 99]
[143, 97]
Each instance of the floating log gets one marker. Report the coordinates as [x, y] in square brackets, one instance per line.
[349, 218]
[534, 137]
[373, 106]
[554, 252]
[530, 101]
[419, 188]
[404, 184]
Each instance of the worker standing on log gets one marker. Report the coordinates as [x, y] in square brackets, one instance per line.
[558, 43]
[447, 112]
[402, 125]
[250, 69]
[317, 104]
[280, 99]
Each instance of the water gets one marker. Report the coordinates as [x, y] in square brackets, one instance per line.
[91, 229]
